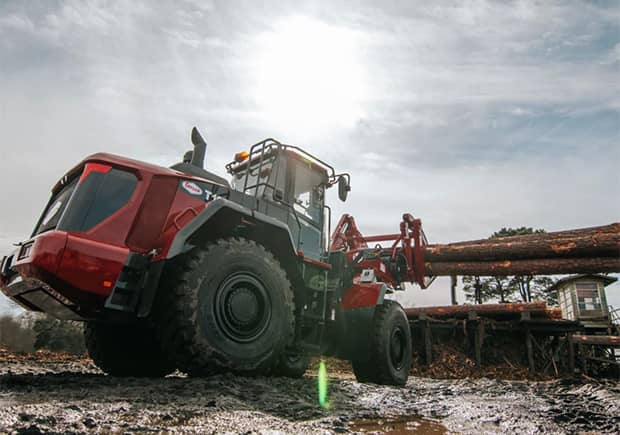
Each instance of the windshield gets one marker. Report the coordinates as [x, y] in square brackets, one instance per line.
[55, 208]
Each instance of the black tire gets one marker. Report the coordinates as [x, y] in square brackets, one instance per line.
[292, 365]
[128, 350]
[228, 307]
[391, 353]
[364, 371]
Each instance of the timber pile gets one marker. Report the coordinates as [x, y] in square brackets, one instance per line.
[538, 310]
[586, 250]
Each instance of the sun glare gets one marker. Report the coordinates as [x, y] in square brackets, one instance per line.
[309, 74]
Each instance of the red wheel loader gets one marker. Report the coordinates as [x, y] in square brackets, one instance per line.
[180, 268]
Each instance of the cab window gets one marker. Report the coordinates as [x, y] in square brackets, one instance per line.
[308, 192]
[258, 177]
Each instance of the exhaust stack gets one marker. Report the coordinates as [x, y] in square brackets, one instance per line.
[200, 149]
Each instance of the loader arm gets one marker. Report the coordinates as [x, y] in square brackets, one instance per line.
[411, 259]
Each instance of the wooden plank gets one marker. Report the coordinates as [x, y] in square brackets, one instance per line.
[551, 355]
[603, 360]
[530, 350]
[571, 354]
[599, 340]
[582, 356]
[478, 341]
[535, 308]
[428, 343]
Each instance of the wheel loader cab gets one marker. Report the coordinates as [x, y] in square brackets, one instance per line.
[290, 186]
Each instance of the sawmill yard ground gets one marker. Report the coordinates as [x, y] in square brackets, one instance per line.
[60, 393]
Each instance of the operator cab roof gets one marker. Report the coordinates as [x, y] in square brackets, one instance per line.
[271, 148]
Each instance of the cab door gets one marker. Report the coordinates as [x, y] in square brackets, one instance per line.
[306, 189]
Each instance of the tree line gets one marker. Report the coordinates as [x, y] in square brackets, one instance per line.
[33, 331]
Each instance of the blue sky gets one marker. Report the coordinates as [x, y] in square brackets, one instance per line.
[471, 115]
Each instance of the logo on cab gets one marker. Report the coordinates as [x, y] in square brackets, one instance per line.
[192, 188]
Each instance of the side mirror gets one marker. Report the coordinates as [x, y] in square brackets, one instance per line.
[343, 188]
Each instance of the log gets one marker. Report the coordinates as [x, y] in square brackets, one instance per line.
[595, 242]
[537, 309]
[599, 340]
[554, 313]
[541, 266]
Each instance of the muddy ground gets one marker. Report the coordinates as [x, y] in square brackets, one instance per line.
[63, 394]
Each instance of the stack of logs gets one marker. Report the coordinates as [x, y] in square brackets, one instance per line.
[587, 250]
[537, 310]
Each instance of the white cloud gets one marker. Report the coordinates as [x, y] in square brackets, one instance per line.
[17, 22]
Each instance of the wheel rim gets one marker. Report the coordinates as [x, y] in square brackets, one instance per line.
[398, 348]
[242, 307]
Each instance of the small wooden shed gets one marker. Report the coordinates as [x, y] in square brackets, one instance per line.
[582, 297]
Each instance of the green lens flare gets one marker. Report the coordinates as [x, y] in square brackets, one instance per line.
[323, 386]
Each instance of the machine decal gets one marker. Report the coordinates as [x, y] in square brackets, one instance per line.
[192, 188]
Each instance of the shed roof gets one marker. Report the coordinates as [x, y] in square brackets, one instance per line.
[606, 280]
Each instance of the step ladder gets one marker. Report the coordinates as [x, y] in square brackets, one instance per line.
[317, 314]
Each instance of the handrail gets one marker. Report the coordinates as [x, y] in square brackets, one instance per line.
[269, 143]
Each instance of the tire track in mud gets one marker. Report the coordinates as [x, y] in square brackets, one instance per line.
[74, 397]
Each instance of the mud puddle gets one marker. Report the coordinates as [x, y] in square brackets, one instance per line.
[75, 397]
[398, 426]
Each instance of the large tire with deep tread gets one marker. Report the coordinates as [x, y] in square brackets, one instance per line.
[391, 353]
[226, 307]
[126, 350]
[292, 365]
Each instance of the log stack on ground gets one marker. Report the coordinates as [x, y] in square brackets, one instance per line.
[587, 250]
[537, 309]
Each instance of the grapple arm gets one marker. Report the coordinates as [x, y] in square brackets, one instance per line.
[403, 261]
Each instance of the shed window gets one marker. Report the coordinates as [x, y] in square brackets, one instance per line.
[588, 296]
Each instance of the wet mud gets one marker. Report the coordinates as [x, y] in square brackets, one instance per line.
[72, 396]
